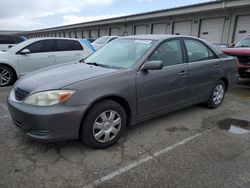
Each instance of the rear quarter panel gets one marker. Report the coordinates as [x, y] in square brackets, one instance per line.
[230, 70]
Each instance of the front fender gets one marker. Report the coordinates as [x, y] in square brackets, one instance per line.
[12, 65]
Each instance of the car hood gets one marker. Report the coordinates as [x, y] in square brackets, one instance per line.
[60, 76]
[236, 51]
[4, 54]
[97, 46]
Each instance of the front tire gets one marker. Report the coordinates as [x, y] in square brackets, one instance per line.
[7, 76]
[103, 124]
[217, 95]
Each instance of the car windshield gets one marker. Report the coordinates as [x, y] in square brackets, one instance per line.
[101, 40]
[120, 53]
[19, 46]
[243, 43]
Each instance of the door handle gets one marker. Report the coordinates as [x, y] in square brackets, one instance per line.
[183, 73]
[217, 66]
[77, 54]
[50, 56]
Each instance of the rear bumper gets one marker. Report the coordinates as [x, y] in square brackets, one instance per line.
[49, 124]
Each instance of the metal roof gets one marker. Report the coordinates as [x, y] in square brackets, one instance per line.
[200, 7]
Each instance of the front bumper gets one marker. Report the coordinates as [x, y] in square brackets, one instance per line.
[49, 124]
[244, 72]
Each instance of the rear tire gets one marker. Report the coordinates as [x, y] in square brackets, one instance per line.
[217, 95]
[7, 76]
[103, 125]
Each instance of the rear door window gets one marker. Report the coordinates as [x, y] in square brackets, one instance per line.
[68, 45]
[197, 51]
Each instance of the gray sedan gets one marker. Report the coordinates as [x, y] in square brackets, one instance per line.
[130, 80]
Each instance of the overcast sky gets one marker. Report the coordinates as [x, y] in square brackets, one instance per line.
[37, 14]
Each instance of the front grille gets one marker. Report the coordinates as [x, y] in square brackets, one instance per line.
[20, 94]
[244, 59]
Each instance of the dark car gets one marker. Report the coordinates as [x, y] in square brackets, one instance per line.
[242, 51]
[129, 80]
[8, 41]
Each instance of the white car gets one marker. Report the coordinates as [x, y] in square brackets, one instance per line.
[102, 41]
[8, 41]
[39, 53]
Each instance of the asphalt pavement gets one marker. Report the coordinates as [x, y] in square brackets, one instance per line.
[193, 147]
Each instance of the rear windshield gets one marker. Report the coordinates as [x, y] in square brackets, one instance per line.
[101, 40]
[243, 43]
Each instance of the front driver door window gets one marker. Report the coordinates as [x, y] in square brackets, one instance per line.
[160, 90]
[169, 53]
[41, 55]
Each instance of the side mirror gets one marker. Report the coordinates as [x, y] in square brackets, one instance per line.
[232, 45]
[24, 51]
[153, 65]
[10, 46]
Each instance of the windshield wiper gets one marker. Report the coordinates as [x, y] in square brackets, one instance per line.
[82, 61]
[97, 64]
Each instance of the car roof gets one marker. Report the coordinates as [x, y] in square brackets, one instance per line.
[156, 36]
[111, 36]
[163, 37]
[56, 38]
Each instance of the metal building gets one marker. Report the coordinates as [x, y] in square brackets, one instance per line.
[220, 21]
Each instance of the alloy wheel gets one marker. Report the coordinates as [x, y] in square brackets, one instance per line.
[5, 76]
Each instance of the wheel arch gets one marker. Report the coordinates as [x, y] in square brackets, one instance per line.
[120, 100]
[226, 82]
[11, 67]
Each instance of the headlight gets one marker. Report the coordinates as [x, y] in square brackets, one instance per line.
[49, 98]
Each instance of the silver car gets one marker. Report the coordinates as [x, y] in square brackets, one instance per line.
[102, 41]
[130, 80]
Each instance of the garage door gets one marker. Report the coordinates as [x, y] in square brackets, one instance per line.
[114, 31]
[183, 28]
[212, 29]
[103, 32]
[242, 27]
[140, 29]
[86, 34]
[79, 34]
[159, 28]
[72, 34]
[93, 34]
